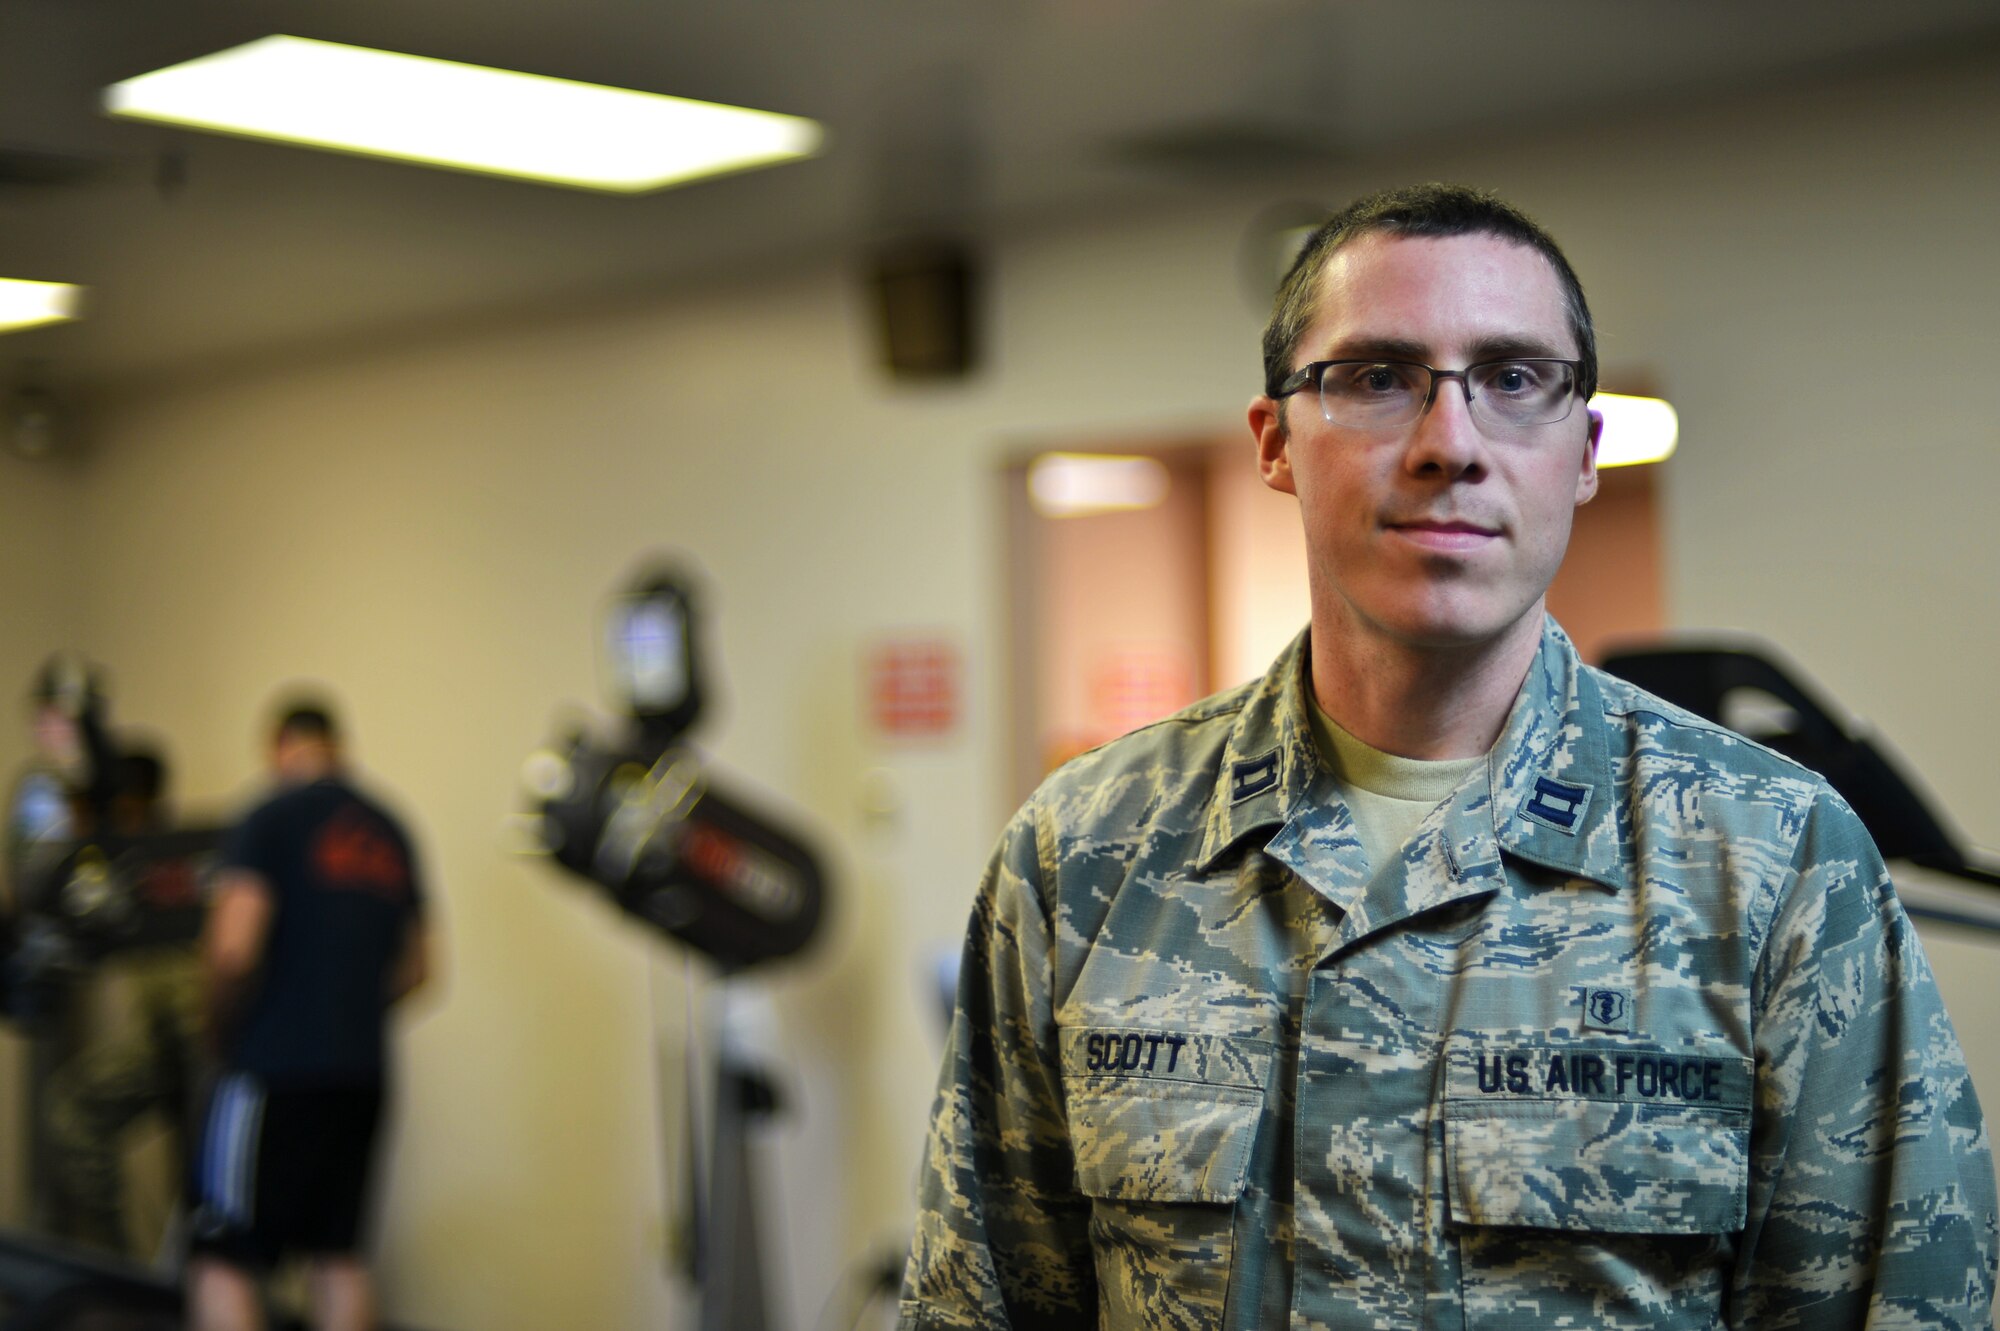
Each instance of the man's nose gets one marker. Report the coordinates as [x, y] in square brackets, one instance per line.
[1445, 436]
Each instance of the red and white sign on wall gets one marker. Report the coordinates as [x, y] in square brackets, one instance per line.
[914, 688]
[1133, 686]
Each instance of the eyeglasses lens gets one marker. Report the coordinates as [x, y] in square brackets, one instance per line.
[1502, 395]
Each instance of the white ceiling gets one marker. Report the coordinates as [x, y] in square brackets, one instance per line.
[201, 251]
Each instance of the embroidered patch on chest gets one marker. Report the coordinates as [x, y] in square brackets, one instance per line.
[1607, 1010]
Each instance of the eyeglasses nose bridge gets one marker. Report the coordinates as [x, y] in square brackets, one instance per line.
[1464, 384]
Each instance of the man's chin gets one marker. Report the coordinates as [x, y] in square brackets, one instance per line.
[1456, 628]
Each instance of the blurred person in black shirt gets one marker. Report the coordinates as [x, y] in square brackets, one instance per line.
[316, 927]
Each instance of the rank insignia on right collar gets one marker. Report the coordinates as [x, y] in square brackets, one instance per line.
[1253, 776]
[1557, 804]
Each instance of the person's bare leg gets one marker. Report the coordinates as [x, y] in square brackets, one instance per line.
[343, 1295]
[221, 1297]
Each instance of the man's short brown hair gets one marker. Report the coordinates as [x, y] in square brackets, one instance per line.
[1416, 211]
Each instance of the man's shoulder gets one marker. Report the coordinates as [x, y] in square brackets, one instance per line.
[272, 806]
[372, 801]
[285, 805]
[330, 792]
[1161, 775]
[1190, 741]
[299, 809]
[1657, 728]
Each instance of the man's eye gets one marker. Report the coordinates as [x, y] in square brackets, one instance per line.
[1513, 379]
[1365, 380]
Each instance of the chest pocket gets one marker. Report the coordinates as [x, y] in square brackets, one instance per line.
[1614, 1190]
[1162, 1126]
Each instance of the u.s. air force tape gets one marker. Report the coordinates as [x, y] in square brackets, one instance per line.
[1502, 1070]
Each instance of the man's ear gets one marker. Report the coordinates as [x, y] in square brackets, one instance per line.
[1586, 479]
[1274, 460]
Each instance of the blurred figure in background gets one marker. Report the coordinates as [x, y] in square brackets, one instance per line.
[144, 1063]
[315, 928]
[68, 782]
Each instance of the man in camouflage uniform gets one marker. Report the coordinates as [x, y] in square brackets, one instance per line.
[148, 1064]
[147, 1060]
[1436, 979]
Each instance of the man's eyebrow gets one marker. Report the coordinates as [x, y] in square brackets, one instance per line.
[1378, 348]
[1508, 347]
[1498, 346]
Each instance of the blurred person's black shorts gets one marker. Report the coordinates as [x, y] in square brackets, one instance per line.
[282, 1171]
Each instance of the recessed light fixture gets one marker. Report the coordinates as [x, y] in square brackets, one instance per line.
[31, 304]
[1636, 429]
[1075, 485]
[464, 117]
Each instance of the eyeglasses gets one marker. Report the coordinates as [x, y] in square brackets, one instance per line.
[1382, 394]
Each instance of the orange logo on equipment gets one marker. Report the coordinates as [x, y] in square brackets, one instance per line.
[353, 852]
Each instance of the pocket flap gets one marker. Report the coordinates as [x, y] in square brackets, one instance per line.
[1604, 1165]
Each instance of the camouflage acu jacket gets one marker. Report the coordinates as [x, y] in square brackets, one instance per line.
[1633, 1034]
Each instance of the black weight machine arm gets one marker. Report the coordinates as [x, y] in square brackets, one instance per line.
[1726, 682]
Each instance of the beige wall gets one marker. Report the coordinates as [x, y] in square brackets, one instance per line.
[431, 528]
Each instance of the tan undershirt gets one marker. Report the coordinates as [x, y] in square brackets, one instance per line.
[1389, 796]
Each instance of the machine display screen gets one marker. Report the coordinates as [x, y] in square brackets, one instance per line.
[41, 810]
[648, 652]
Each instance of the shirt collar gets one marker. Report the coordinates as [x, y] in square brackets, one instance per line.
[1270, 761]
[1554, 803]
[1549, 776]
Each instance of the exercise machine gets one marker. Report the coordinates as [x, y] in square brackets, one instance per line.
[638, 812]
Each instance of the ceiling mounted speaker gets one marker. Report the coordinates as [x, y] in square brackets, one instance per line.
[32, 420]
[925, 304]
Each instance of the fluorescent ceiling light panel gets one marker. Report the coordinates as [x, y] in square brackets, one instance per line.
[466, 117]
[1636, 429]
[1075, 485]
[31, 304]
